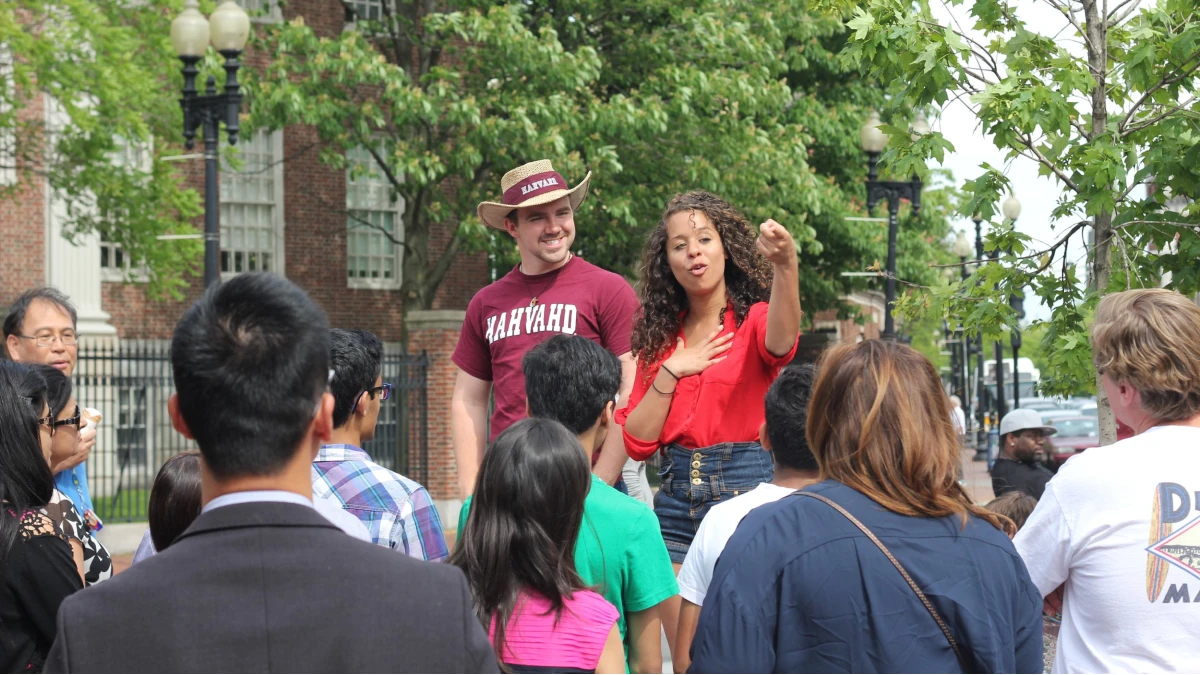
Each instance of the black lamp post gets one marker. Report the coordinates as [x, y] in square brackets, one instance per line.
[1012, 210]
[229, 27]
[980, 448]
[962, 249]
[873, 142]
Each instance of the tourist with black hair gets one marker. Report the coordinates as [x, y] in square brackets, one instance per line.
[40, 328]
[261, 582]
[36, 569]
[620, 551]
[69, 424]
[783, 435]
[398, 512]
[518, 552]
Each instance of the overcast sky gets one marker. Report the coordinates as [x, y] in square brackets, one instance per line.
[1038, 194]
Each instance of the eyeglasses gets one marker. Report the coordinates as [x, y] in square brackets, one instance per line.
[67, 339]
[69, 422]
[385, 388]
[48, 422]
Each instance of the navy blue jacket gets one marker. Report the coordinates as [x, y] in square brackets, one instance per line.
[800, 589]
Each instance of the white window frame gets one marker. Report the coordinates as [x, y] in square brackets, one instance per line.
[353, 25]
[279, 265]
[275, 15]
[398, 249]
[126, 272]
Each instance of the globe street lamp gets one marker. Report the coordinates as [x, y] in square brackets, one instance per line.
[873, 142]
[1012, 210]
[227, 29]
[962, 249]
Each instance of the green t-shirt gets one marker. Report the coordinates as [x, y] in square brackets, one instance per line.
[620, 552]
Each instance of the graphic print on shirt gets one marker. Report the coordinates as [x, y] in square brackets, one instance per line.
[552, 318]
[1169, 546]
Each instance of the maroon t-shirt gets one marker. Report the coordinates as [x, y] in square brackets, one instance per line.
[577, 298]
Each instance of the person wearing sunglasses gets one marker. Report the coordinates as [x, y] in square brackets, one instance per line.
[398, 511]
[68, 425]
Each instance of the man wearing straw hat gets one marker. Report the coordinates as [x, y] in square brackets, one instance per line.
[552, 291]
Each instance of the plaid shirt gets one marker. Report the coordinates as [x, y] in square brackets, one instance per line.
[398, 512]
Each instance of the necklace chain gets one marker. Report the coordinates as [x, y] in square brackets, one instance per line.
[553, 274]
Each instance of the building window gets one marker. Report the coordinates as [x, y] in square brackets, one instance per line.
[366, 10]
[251, 207]
[131, 425]
[373, 225]
[262, 11]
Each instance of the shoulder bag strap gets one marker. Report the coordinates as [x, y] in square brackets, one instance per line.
[899, 568]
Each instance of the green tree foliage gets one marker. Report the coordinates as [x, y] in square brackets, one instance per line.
[753, 101]
[1103, 117]
[106, 70]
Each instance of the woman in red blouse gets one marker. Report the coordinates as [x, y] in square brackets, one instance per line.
[708, 345]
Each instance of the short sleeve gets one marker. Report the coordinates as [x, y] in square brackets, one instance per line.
[47, 573]
[757, 317]
[637, 448]
[649, 577]
[696, 573]
[462, 519]
[1044, 543]
[472, 353]
[617, 315]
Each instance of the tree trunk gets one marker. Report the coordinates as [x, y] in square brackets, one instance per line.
[1097, 46]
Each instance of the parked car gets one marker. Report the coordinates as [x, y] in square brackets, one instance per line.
[1051, 417]
[1075, 434]
[1041, 404]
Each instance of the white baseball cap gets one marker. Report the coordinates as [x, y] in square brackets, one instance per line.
[1021, 419]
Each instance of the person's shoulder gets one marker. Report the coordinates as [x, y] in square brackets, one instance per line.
[498, 287]
[590, 605]
[605, 500]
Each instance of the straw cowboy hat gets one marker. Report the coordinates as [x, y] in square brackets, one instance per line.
[531, 184]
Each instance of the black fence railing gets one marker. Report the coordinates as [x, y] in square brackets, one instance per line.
[130, 385]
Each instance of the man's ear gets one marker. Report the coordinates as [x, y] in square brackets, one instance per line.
[764, 438]
[360, 404]
[11, 343]
[606, 415]
[323, 421]
[510, 226]
[177, 418]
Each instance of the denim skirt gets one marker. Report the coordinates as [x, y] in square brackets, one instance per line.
[693, 480]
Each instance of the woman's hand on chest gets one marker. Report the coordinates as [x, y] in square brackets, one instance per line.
[700, 356]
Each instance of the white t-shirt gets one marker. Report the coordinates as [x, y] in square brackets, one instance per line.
[714, 532]
[1121, 526]
[960, 420]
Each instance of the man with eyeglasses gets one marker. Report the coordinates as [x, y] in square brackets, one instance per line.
[41, 328]
[398, 512]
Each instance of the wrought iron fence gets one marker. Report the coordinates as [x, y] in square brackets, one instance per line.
[130, 384]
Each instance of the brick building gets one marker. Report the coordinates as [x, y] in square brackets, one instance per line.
[282, 211]
[285, 212]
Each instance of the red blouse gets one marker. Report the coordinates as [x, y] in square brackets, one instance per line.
[724, 404]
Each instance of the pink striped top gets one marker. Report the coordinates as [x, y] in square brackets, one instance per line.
[532, 637]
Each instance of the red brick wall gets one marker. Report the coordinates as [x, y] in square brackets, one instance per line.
[23, 233]
[314, 236]
[439, 344]
[23, 229]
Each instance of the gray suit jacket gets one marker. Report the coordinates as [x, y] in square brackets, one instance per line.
[273, 587]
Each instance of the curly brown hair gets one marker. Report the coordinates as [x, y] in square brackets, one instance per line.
[747, 273]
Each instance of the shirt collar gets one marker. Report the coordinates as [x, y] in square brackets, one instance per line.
[341, 452]
[252, 496]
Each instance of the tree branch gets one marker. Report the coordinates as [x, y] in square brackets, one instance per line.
[1165, 82]
[1151, 121]
[1041, 159]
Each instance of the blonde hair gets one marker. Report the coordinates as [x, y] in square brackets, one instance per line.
[880, 422]
[1149, 339]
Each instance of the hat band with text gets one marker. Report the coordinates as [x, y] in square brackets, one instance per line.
[537, 184]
